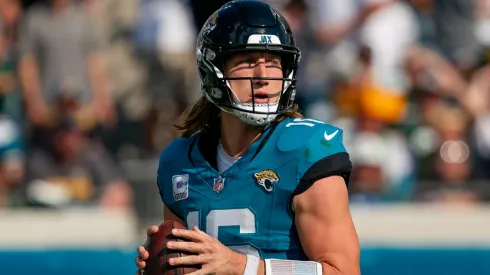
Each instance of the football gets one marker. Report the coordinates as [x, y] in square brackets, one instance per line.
[157, 263]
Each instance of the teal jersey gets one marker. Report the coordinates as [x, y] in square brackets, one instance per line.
[248, 206]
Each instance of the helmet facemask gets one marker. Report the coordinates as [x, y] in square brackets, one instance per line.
[218, 90]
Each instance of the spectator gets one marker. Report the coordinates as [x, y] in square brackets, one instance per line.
[10, 98]
[172, 78]
[448, 27]
[11, 141]
[58, 44]
[7, 72]
[73, 170]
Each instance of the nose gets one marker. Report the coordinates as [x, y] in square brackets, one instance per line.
[261, 72]
[261, 68]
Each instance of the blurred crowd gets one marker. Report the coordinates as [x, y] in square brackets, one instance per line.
[88, 84]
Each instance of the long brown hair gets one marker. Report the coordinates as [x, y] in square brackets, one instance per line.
[204, 115]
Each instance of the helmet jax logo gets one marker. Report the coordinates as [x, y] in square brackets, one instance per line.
[267, 179]
[265, 39]
[180, 185]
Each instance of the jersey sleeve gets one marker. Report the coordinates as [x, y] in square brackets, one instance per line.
[323, 155]
[166, 167]
[162, 185]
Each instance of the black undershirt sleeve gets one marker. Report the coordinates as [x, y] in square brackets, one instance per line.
[338, 164]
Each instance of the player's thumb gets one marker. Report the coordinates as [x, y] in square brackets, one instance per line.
[152, 230]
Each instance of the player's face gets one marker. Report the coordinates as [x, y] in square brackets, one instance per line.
[256, 65]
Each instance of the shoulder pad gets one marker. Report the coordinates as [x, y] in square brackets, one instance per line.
[295, 133]
[175, 149]
[325, 141]
[323, 145]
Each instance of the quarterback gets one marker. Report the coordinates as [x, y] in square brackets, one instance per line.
[261, 189]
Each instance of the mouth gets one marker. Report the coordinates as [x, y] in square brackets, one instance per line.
[261, 94]
[261, 97]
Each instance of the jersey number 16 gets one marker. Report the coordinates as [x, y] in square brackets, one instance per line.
[244, 218]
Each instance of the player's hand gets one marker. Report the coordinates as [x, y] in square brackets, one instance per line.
[142, 249]
[214, 257]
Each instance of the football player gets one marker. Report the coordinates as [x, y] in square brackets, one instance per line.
[261, 189]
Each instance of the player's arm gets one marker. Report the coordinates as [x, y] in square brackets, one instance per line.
[320, 204]
[325, 229]
[164, 178]
[320, 207]
[325, 226]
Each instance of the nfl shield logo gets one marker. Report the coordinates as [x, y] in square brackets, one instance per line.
[180, 184]
[219, 184]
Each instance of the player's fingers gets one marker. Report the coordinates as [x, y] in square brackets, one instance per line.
[142, 253]
[186, 246]
[151, 230]
[140, 263]
[195, 228]
[188, 234]
[205, 237]
[189, 260]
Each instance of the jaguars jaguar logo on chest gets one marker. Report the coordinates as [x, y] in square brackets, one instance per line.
[267, 179]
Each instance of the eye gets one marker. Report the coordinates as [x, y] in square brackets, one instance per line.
[274, 63]
[248, 61]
